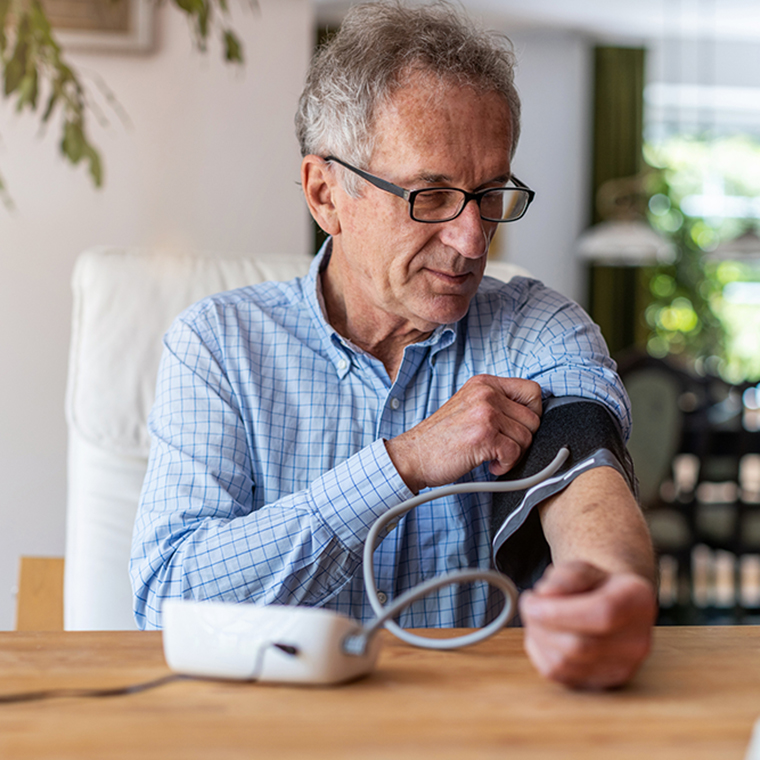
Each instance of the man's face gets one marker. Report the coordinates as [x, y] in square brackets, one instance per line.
[406, 273]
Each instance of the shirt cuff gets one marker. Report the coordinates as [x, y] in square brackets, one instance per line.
[351, 496]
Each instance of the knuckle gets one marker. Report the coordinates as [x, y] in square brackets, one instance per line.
[562, 671]
[483, 418]
[510, 452]
[525, 437]
[533, 421]
[580, 649]
[606, 618]
[480, 382]
[518, 439]
[614, 612]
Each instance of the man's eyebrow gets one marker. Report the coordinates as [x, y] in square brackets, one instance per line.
[432, 178]
[502, 179]
[435, 179]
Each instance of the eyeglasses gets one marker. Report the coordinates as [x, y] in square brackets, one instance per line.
[442, 204]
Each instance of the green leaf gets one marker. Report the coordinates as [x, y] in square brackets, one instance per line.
[27, 91]
[15, 69]
[73, 142]
[96, 166]
[41, 24]
[201, 10]
[203, 20]
[233, 49]
[5, 198]
[52, 100]
[14, 73]
[4, 8]
[203, 17]
[192, 7]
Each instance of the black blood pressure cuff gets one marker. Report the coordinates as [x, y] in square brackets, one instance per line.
[594, 439]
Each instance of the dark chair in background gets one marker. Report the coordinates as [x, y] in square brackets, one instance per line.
[698, 463]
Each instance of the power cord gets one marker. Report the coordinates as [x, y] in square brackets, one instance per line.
[118, 691]
[136, 688]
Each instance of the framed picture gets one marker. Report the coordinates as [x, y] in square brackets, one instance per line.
[102, 25]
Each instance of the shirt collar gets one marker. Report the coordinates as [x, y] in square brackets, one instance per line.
[340, 349]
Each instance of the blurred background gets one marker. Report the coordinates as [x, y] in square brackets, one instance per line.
[641, 138]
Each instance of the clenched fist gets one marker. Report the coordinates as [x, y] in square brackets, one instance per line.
[490, 419]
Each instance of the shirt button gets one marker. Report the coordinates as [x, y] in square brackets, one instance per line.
[382, 597]
[342, 364]
[395, 403]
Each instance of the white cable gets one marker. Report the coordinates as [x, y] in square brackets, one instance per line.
[384, 614]
[423, 589]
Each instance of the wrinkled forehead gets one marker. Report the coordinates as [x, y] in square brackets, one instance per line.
[429, 115]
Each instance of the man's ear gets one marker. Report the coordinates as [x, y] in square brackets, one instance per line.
[319, 183]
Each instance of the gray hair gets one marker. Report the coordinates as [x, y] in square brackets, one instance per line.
[378, 46]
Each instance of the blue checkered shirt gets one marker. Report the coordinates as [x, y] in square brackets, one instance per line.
[268, 464]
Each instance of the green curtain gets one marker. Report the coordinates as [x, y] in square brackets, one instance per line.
[618, 296]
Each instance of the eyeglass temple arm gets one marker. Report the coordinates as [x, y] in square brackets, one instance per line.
[519, 183]
[376, 181]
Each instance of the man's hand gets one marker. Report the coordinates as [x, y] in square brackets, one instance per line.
[490, 419]
[588, 628]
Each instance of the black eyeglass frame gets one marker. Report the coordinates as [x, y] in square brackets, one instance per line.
[410, 195]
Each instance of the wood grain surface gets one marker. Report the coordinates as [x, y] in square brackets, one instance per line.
[697, 697]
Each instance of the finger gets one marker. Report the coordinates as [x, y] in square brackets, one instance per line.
[599, 612]
[507, 399]
[587, 662]
[516, 420]
[574, 614]
[509, 447]
[572, 577]
[524, 392]
[525, 410]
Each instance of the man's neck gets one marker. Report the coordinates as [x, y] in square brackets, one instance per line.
[381, 335]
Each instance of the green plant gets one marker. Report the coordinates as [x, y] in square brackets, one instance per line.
[689, 315]
[35, 70]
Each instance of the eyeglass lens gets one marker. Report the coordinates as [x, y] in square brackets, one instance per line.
[499, 204]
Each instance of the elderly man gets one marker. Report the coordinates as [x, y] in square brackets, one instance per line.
[289, 416]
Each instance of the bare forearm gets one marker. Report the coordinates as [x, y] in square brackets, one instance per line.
[588, 621]
[597, 520]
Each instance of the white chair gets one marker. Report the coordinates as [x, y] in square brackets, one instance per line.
[124, 301]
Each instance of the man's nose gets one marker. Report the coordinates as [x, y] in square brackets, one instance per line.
[467, 233]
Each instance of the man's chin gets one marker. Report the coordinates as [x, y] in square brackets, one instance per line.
[445, 309]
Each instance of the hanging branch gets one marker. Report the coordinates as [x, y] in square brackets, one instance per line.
[32, 61]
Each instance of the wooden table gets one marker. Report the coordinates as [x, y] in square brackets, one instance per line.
[697, 697]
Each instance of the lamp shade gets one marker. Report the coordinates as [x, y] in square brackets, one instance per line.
[625, 243]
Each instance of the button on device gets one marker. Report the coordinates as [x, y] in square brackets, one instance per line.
[382, 597]
[395, 403]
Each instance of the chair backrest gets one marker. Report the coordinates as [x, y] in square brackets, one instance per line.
[124, 301]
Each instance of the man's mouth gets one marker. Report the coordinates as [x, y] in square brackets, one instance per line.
[452, 277]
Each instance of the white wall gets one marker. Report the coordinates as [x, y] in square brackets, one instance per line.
[210, 162]
[554, 79]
